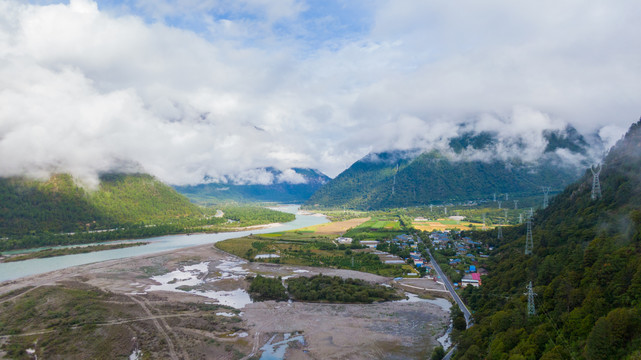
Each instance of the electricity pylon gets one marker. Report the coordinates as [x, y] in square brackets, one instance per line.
[531, 310]
[596, 184]
[499, 228]
[529, 243]
[546, 191]
[394, 182]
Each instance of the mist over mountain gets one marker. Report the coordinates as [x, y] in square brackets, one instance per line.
[293, 185]
[471, 166]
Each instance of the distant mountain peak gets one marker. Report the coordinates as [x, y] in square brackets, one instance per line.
[269, 184]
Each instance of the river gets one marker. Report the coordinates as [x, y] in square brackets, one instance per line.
[18, 269]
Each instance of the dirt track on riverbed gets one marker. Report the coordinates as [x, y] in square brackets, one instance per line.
[398, 330]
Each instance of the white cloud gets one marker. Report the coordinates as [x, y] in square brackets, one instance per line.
[87, 89]
[290, 176]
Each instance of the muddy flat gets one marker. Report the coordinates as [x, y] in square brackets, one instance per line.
[192, 303]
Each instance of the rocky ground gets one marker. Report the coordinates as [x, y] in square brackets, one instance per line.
[169, 306]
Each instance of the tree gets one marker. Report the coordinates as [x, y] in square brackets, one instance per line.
[438, 353]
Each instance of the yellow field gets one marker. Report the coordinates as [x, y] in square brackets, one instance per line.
[446, 224]
[335, 228]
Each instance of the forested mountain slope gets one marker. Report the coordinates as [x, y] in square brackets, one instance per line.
[411, 178]
[585, 269]
[293, 186]
[59, 205]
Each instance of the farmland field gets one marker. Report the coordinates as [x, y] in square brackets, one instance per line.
[447, 224]
[334, 228]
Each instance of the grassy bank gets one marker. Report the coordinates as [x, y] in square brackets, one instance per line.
[307, 249]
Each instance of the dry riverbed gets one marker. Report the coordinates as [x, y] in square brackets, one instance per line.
[168, 306]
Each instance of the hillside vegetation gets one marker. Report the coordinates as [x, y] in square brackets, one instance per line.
[410, 178]
[585, 270]
[59, 212]
[60, 205]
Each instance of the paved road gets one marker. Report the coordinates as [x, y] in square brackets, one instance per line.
[449, 354]
[468, 316]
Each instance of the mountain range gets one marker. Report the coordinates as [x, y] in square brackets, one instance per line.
[293, 185]
[468, 169]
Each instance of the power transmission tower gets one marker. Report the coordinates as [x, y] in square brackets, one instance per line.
[507, 197]
[445, 210]
[499, 234]
[505, 214]
[531, 310]
[531, 212]
[499, 204]
[521, 218]
[516, 204]
[494, 197]
[546, 191]
[483, 221]
[529, 243]
[394, 182]
[431, 207]
[596, 184]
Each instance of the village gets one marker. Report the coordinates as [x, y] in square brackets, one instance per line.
[460, 256]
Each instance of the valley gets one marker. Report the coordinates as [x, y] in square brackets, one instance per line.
[305, 179]
[193, 300]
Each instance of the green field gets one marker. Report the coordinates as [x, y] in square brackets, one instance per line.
[307, 250]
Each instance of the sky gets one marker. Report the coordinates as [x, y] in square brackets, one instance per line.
[210, 89]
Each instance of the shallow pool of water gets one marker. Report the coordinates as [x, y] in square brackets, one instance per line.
[276, 350]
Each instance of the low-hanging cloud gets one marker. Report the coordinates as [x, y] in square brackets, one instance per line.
[87, 90]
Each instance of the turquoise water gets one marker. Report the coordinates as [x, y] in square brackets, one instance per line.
[15, 270]
[276, 351]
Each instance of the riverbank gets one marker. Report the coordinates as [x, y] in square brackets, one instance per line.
[205, 275]
[47, 253]
[12, 271]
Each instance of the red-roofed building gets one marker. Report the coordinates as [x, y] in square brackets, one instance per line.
[477, 277]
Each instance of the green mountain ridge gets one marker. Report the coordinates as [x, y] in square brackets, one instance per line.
[30, 206]
[431, 178]
[413, 178]
[585, 270]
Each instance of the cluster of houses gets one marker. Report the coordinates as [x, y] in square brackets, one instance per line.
[467, 251]
[419, 261]
[405, 241]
